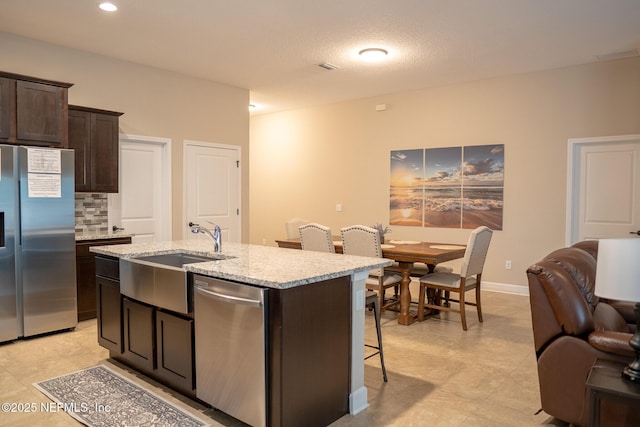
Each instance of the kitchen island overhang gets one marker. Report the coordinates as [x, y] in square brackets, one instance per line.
[282, 269]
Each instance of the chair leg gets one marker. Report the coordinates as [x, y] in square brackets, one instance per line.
[381, 299]
[421, 303]
[446, 299]
[478, 305]
[437, 297]
[463, 315]
[376, 314]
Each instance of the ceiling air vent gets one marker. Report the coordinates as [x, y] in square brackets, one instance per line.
[327, 66]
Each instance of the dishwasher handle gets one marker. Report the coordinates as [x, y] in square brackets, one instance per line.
[236, 300]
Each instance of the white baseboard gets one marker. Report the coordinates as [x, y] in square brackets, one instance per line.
[358, 401]
[505, 288]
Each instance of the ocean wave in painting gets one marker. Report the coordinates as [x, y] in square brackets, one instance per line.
[469, 208]
[438, 202]
[405, 206]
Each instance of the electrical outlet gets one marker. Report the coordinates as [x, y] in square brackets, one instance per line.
[507, 264]
[339, 207]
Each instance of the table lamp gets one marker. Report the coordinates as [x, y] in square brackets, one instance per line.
[618, 278]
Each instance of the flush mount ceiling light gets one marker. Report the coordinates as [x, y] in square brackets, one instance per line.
[373, 54]
[108, 6]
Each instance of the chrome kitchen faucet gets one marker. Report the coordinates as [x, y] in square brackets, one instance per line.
[216, 236]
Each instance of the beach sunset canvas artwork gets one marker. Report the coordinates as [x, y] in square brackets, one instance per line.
[483, 186]
[452, 187]
[443, 192]
[407, 188]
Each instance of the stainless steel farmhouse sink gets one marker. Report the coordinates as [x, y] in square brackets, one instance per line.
[160, 280]
[177, 259]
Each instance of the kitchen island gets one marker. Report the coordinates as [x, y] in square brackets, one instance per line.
[312, 293]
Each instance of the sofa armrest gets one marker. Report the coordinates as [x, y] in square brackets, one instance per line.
[625, 308]
[612, 342]
[563, 368]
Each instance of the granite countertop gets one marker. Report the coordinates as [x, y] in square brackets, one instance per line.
[100, 235]
[253, 264]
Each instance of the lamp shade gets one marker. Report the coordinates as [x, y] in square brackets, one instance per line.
[618, 269]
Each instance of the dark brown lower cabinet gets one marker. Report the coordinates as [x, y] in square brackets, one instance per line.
[159, 344]
[108, 304]
[138, 322]
[175, 360]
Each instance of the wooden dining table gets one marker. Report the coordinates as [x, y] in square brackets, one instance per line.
[405, 253]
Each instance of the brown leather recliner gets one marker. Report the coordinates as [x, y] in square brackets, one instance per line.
[625, 308]
[572, 328]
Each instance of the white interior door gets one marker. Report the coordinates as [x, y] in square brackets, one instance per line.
[607, 187]
[143, 204]
[212, 188]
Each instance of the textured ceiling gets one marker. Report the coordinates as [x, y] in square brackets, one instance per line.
[272, 47]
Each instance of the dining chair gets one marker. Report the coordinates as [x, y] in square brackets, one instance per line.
[316, 237]
[469, 278]
[365, 241]
[293, 225]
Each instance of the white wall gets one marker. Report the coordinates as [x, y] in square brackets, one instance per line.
[305, 161]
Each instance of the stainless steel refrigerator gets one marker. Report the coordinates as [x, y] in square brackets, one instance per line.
[37, 241]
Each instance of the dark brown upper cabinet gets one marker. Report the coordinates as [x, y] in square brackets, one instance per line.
[93, 134]
[33, 111]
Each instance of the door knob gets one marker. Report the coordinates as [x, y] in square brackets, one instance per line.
[635, 232]
[115, 228]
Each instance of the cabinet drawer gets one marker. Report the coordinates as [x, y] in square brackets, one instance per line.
[108, 267]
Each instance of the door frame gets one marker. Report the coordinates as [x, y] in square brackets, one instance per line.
[166, 194]
[574, 167]
[191, 143]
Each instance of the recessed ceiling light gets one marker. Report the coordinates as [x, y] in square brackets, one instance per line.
[108, 6]
[373, 54]
[252, 107]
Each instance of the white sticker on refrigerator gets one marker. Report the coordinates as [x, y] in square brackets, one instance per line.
[44, 185]
[42, 160]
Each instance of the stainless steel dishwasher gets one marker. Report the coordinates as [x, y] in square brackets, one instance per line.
[231, 348]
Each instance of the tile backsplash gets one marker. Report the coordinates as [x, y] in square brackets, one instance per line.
[91, 212]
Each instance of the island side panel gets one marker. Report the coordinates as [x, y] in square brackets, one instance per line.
[310, 334]
[358, 397]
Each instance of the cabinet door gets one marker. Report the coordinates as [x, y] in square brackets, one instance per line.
[139, 335]
[85, 287]
[79, 133]
[7, 108]
[104, 153]
[41, 113]
[175, 351]
[109, 311]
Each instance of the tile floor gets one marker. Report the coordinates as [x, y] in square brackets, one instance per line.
[439, 375]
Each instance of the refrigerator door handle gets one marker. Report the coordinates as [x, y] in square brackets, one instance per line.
[2, 230]
[18, 230]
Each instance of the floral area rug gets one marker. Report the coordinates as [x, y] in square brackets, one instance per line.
[99, 396]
